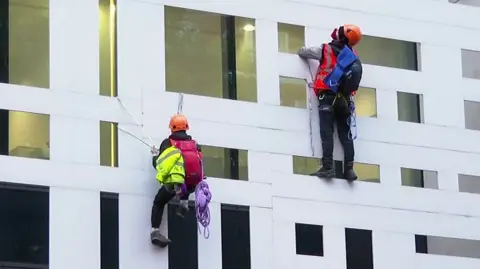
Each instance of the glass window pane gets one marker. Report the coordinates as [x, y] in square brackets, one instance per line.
[469, 183]
[290, 37]
[367, 172]
[235, 231]
[309, 239]
[366, 102]
[359, 248]
[472, 110]
[293, 92]
[409, 107]
[108, 144]
[108, 44]
[304, 165]
[109, 227]
[471, 64]
[225, 163]
[388, 52]
[419, 178]
[224, 47]
[243, 164]
[28, 43]
[25, 232]
[183, 254]
[246, 66]
[29, 135]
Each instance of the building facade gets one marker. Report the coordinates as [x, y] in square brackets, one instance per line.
[88, 85]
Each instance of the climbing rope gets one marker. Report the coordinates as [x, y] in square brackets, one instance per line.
[310, 109]
[352, 119]
[180, 103]
[137, 123]
[202, 199]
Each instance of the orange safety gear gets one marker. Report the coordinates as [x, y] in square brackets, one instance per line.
[328, 63]
[352, 33]
[178, 122]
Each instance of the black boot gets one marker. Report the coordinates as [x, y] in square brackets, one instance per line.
[326, 171]
[348, 172]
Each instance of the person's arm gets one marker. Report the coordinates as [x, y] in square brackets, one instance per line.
[165, 144]
[314, 53]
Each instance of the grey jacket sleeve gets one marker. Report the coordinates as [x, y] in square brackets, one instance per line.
[314, 53]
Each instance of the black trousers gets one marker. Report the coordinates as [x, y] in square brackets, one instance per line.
[333, 109]
[164, 195]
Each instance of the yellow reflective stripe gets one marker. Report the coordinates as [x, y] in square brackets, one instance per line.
[173, 152]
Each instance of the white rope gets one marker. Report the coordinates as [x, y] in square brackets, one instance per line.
[136, 122]
[310, 109]
[180, 103]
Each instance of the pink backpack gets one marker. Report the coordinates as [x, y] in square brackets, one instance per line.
[192, 159]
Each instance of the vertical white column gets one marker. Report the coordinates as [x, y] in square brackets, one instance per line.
[390, 175]
[448, 180]
[397, 255]
[141, 49]
[442, 106]
[74, 229]
[135, 248]
[261, 238]
[268, 80]
[335, 252]
[260, 164]
[74, 140]
[210, 250]
[74, 46]
[387, 105]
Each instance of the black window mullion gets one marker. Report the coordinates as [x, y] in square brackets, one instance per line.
[4, 53]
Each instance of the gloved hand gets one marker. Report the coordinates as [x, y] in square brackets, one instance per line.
[154, 151]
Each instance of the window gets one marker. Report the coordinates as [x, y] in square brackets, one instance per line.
[309, 239]
[108, 144]
[409, 107]
[182, 253]
[388, 52]
[293, 92]
[470, 64]
[108, 47]
[24, 43]
[24, 134]
[472, 110]
[473, 3]
[367, 172]
[359, 248]
[290, 37]
[109, 242]
[468, 183]
[25, 232]
[235, 236]
[448, 246]
[308, 165]
[225, 163]
[210, 54]
[366, 102]
[419, 178]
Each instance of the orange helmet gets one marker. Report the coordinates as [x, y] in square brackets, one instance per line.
[352, 33]
[178, 122]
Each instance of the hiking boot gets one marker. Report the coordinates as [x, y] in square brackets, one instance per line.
[326, 171]
[348, 172]
[158, 239]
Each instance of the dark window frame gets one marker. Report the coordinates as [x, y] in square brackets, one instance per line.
[104, 263]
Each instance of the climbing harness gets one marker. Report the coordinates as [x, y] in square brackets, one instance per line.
[202, 199]
[352, 119]
[310, 109]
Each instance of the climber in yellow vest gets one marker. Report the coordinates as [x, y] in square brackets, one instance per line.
[179, 167]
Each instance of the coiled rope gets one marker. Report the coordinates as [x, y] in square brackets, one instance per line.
[203, 196]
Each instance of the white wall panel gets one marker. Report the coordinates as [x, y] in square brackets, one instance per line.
[74, 229]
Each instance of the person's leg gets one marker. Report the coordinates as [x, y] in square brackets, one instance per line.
[342, 114]
[326, 115]
[182, 208]
[164, 195]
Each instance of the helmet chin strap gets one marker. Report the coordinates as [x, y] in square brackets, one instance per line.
[334, 34]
